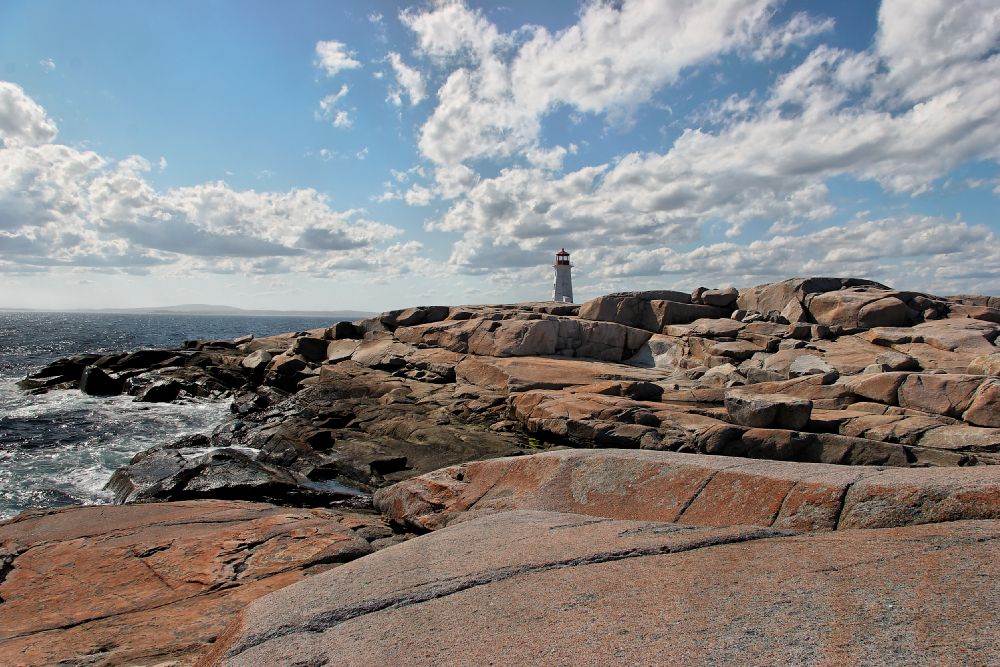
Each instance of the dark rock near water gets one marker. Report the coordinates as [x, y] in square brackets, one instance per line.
[96, 382]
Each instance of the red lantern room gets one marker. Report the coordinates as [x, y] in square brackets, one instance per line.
[562, 258]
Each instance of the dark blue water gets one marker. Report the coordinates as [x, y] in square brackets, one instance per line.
[60, 448]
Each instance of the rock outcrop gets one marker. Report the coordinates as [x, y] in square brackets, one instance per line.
[818, 370]
[796, 450]
[551, 588]
[156, 583]
[696, 490]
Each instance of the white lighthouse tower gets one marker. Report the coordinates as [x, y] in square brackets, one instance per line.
[562, 288]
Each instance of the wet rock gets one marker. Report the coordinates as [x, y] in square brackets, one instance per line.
[183, 474]
[161, 392]
[97, 382]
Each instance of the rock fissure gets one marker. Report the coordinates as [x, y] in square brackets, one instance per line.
[325, 622]
[701, 487]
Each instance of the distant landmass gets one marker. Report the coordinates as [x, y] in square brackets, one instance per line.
[212, 309]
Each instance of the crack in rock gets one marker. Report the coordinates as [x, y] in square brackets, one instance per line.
[323, 622]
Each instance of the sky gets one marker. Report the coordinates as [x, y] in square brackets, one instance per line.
[373, 155]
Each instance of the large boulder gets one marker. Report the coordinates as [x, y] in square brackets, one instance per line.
[182, 474]
[859, 308]
[310, 348]
[549, 588]
[767, 410]
[643, 311]
[96, 382]
[944, 394]
[788, 297]
[986, 364]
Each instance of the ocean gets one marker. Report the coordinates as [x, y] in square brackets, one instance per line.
[60, 448]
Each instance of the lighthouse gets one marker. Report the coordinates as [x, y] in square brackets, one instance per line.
[562, 288]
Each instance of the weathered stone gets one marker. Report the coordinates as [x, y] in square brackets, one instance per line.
[723, 298]
[944, 394]
[341, 350]
[685, 488]
[767, 410]
[984, 313]
[859, 308]
[256, 361]
[912, 496]
[987, 364]
[881, 388]
[737, 349]
[516, 338]
[550, 588]
[809, 364]
[155, 583]
[897, 361]
[984, 410]
[342, 331]
[310, 349]
[163, 391]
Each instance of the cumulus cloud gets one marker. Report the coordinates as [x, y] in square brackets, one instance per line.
[23, 122]
[333, 57]
[913, 252]
[617, 56]
[900, 114]
[64, 207]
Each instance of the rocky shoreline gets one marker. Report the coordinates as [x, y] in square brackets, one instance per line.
[828, 416]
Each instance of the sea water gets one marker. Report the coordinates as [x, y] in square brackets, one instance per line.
[60, 448]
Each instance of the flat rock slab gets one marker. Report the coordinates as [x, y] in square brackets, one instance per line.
[154, 583]
[545, 588]
[696, 489]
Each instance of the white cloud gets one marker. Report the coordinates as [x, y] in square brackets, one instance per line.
[418, 195]
[614, 58]
[767, 161]
[333, 57]
[799, 29]
[329, 103]
[329, 111]
[63, 207]
[22, 121]
[362, 154]
[454, 180]
[451, 29]
[342, 119]
[48, 64]
[409, 79]
[915, 252]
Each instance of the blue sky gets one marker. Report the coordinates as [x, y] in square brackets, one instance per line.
[373, 154]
